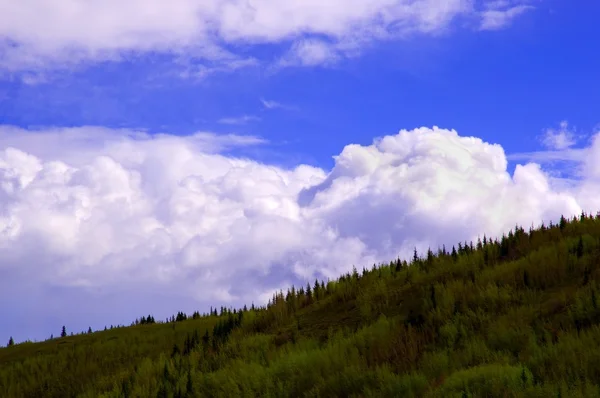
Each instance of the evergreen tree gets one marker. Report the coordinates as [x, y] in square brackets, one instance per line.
[429, 257]
[162, 392]
[63, 333]
[398, 265]
[316, 290]
[189, 387]
[579, 250]
[563, 223]
[175, 350]
[11, 342]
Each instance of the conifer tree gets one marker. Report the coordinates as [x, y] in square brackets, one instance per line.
[562, 223]
[429, 256]
[189, 386]
[398, 265]
[63, 333]
[579, 251]
[11, 342]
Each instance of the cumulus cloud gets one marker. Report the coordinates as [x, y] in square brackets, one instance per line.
[125, 215]
[37, 34]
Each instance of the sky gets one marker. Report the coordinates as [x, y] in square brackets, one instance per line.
[162, 157]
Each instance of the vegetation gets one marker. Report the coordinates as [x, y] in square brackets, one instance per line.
[512, 317]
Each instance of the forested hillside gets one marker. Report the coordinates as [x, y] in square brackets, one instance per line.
[512, 317]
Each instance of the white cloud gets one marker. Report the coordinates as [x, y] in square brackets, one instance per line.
[239, 120]
[561, 138]
[38, 34]
[500, 13]
[560, 158]
[272, 105]
[310, 52]
[96, 213]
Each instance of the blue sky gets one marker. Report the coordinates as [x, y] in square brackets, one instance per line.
[504, 86]
[285, 84]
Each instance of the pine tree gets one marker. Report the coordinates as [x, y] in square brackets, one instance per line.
[563, 223]
[316, 290]
[429, 257]
[11, 342]
[63, 333]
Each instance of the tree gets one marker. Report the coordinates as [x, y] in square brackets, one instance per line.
[563, 223]
[429, 257]
[189, 386]
[90, 330]
[63, 333]
[526, 281]
[11, 342]
[398, 265]
[579, 250]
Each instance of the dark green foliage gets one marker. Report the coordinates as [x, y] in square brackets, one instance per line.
[514, 317]
[11, 342]
[63, 333]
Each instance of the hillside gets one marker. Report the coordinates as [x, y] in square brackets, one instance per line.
[516, 316]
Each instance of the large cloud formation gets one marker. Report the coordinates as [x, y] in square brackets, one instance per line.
[93, 218]
[36, 34]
